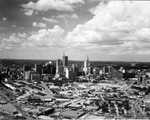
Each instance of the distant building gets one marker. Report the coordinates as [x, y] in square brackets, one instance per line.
[59, 68]
[49, 69]
[147, 103]
[75, 68]
[35, 77]
[27, 75]
[129, 75]
[108, 69]
[0, 77]
[133, 64]
[43, 117]
[59, 71]
[96, 71]
[69, 73]
[38, 68]
[117, 75]
[47, 77]
[86, 65]
[72, 114]
[26, 68]
[90, 70]
[58, 63]
[65, 60]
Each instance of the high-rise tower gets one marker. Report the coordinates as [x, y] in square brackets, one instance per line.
[65, 60]
[86, 65]
[38, 68]
[58, 63]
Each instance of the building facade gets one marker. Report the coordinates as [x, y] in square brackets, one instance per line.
[65, 60]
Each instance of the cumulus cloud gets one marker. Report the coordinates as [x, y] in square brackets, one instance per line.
[29, 12]
[13, 26]
[45, 5]
[118, 27]
[48, 38]
[13, 42]
[4, 18]
[43, 39]
[14, 38]
[22, 35]
[41, 25]
[22, 45]
[75, 16]
[51, 20]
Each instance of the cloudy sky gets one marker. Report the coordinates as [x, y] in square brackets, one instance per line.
[102, 29]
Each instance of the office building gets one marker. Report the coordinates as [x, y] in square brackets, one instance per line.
[35, 77]
[27, 75]
[108, 69]
[90, 70]
[26, 68]
[117, 74]
[86, 65]
[58, 63]
[69, 73]
[38, 68]
[59, 66]
[49, 69]
[59, 69]
[65, 60]
[96, 71]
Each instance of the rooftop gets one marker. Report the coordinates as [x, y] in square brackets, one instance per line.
[72, 114]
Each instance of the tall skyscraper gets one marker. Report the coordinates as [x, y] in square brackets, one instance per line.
[58, 63]
[38, 68]
[49, 69]
[69, 73]
[86, 65]
[26, 68]
[59, 68]
[65, 60]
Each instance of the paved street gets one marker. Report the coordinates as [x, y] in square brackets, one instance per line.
[138, 112]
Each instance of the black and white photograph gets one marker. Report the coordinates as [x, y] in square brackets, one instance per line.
[74, 59]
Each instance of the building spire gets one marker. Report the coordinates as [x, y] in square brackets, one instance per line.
[87, 57]
[63, 53]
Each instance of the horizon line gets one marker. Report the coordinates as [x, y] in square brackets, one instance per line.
[77, 60]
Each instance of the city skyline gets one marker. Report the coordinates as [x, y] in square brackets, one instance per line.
[104, 30]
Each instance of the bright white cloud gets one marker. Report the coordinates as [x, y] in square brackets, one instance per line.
[48, 38]
[4, 19]
[29, 12]
[75, 16]
[13, 42]
[22, 35]
[41, 25]
[116, 27]
[51, 20]
[14, 38]
[45, 5]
